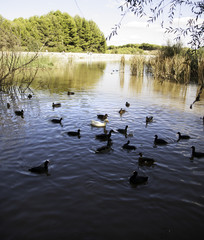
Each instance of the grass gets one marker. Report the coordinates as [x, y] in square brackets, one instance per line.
[173, 63]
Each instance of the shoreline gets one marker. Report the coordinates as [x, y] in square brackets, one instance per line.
[81, 57]
[67, 57]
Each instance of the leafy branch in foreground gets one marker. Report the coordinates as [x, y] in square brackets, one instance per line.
[154, 9]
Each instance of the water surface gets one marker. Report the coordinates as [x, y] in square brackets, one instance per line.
[88, 195]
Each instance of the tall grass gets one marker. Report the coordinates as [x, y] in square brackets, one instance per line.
[137, 66]
[177, 64]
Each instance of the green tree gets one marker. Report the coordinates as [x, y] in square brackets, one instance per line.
[85, 35]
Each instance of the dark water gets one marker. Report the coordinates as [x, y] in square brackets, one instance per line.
[88, 195]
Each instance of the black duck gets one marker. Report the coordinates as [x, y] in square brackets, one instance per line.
[55, 120]
[127, 104]
[105, 148]
[159, 141]
[77, 133]
[104, 136]
[55, 105]
[135, 179]
[145, 160]
[19, 113]
[43, 168]
[182, 136]
[123, 131]
[70, 93]
[129, 147]
[196, 154]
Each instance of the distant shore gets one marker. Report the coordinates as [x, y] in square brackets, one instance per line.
[80, 57]
[63, 58]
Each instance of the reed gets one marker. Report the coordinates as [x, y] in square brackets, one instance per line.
[178, 64]
[122, 64]
[137, 66]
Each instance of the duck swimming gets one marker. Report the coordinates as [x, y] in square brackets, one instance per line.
[105, 148]
[135, 179]
[149, 119]
[159, 141]
[19, 113]
[77, 133]
[102, 117]
[196, 154]
[56, 120]
[104, 136]
[43, 168]
[182, 136]
[8, 105]
[145, 160]
[123, 131]
[70, 93]
[129, 147]
[99, 124]
[55, 105]
[29, 96]
[121, 111]
[127, 104]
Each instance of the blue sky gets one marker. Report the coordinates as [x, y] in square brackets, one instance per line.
[105, 13]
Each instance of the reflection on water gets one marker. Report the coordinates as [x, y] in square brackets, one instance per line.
[74, 76]
[88, 195]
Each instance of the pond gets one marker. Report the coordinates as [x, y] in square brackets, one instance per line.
[87, 195]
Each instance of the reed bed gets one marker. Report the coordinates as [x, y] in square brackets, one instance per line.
[137, 66]
[172, 63]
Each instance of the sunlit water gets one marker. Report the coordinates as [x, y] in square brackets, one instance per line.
[88, 195]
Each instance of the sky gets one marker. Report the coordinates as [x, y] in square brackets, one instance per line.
[105, 13]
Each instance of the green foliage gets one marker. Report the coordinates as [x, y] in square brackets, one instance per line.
[57, 32]
[178, 64]
[132, 48]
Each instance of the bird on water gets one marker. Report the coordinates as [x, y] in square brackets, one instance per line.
[196, 154]
[55, 105]
[102, 117]
[55, 120]
[72, 133]
[19, 113]
[106, 148]
[121, 111]
[43, 168]
[8, 105]
[145, 160]
[104, 136]
[127, 104]
[182, 136]
[159, 141]
[129, 147]
[123, 131]
[149, 119]
[135, 179]
[70, 93]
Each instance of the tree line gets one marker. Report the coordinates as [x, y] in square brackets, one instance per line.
[56, 32]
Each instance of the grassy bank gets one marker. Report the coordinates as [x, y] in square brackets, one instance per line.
[173, 63]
